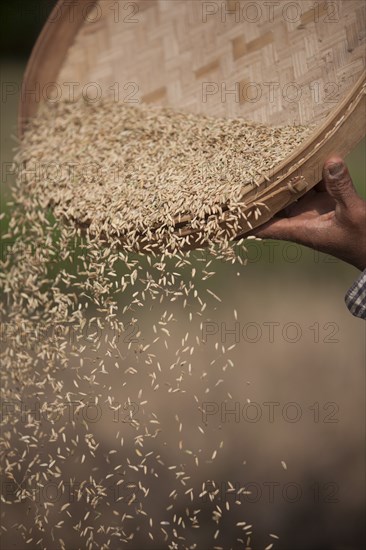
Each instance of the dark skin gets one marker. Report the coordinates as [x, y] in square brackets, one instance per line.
[330, 218]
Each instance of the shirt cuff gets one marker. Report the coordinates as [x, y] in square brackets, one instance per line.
[356, 297]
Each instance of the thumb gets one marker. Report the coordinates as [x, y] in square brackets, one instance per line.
[338, 182]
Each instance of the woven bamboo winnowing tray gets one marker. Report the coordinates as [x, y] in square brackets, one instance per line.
[274, 62]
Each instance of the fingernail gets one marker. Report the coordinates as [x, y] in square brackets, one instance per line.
[336, 169]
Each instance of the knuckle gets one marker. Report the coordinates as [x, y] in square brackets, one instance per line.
[345, 187]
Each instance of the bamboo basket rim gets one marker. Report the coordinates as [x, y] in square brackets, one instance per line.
[285, 184]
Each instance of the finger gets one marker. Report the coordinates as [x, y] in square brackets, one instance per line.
[287, 229]
[338, 182]
[309, 206]
[319, 234]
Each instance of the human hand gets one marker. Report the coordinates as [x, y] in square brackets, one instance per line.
[330, 218]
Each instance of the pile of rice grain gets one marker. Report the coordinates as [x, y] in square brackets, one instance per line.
[87, 323]
[130, 171]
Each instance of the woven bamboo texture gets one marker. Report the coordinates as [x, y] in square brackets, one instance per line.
[274, 62]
